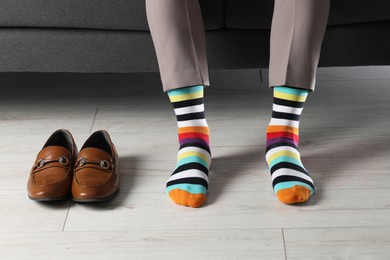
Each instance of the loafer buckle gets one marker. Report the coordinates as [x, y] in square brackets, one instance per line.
[63, 160]
[41, 163]
[104, 164]
[81, 162]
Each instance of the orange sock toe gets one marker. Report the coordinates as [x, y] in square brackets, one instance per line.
[295, 194]
[187, 199]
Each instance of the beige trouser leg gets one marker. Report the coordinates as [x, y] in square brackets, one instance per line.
[179, 39]
[298, 28]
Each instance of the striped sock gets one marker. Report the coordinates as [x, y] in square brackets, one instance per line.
[188, 184]
[290, 180]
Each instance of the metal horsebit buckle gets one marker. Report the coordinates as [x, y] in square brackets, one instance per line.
[103, 163]
[62, 160]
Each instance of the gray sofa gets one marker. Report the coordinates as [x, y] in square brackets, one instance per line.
[112, 35]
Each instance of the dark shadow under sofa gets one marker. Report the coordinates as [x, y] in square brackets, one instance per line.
[112, 36]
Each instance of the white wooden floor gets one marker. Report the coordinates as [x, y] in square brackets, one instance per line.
[345, 144]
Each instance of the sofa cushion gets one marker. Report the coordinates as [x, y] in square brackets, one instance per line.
[93, 14]
[249, 14]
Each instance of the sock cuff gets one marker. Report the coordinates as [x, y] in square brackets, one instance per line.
[290, 94]
[185, 90]
[291, 90]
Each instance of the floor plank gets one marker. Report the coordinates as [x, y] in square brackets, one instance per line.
[143, 245]
[20, 214]
[338, 243]
[238, 210]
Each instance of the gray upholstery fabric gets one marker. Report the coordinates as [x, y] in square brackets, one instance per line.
[92, 14]
[63, 50]
[361, 44]
[258, 14]
[70, 42]
[249, 14]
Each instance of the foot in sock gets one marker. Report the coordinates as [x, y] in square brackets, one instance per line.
[290, 180]
[188, 184]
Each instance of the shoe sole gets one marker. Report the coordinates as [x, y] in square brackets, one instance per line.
[48, 199]
[97, 199]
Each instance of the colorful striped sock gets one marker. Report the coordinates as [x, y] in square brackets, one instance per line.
[290, 180]
[188, 184]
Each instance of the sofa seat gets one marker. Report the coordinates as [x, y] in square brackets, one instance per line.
[249, 14]
[111, 36]
[130, 14]
[92, 14]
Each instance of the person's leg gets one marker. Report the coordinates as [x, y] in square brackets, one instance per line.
[298, 28]
[178, 36]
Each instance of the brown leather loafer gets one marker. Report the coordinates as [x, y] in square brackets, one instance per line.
[51, 175]
[96, 170]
